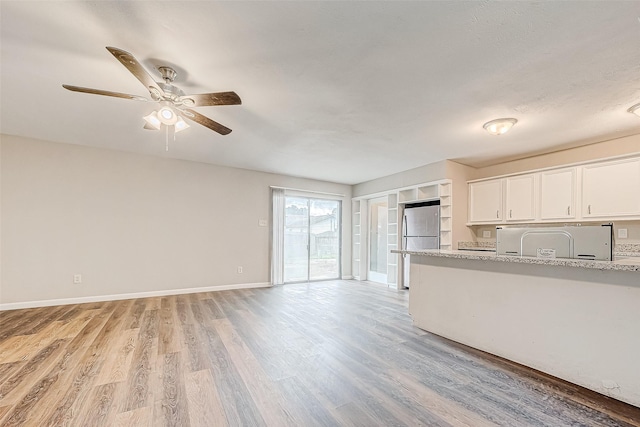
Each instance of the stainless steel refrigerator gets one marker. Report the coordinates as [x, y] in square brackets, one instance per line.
[420, 230]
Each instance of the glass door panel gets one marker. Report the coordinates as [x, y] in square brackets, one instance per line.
[296, 239]
[324, 241]
[311, 239]
[378, 240]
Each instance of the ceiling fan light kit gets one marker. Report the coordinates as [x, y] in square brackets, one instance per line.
[167, 116]
[174, 104]
[635, 109]
[152, 121]
[499, 126]
[181, 124]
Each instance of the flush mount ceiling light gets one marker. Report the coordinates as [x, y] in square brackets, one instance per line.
[635, 109]
[499, 126]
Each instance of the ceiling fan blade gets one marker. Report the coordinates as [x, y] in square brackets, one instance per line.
[206, 121]
[208, 99]
[104, 92]
[137, 70]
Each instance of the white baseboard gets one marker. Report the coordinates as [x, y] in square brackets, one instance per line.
[347, 277]
[100, 298]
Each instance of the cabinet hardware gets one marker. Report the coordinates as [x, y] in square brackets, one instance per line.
[589, 209]
[568, 210]
[497, 214]
[510, 213]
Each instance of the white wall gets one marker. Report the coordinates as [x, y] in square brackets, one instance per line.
[459, 175]
[131, 223]
[419, 175]
[600, 150]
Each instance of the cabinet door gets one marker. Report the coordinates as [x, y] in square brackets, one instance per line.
[521, 198]
[611, 189]
[557, 194]
[485, 201]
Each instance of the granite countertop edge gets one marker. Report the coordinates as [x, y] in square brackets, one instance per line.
[621, 264]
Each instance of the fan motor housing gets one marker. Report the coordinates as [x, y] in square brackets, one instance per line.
[168, 74]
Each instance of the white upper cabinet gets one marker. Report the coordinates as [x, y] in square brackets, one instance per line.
[485, 201]
[602, 191]
[557, 194]
[521, 196]
[611, 189]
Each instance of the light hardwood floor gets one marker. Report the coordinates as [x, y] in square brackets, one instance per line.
[326, 354]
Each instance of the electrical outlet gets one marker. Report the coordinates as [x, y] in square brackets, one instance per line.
[77, 278]
[486, 234]
[622, 233]
[262, 222]
[239, 270]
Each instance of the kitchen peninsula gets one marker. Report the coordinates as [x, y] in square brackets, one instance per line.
[577, 320]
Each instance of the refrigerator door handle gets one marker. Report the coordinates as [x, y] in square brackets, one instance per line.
[404, 233]
[404, 225]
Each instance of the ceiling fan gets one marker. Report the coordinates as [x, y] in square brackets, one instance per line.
[174, 103]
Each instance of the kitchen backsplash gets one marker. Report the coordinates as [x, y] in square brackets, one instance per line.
[627, 249]
[476, 245]
[620, 249]
[629, 244]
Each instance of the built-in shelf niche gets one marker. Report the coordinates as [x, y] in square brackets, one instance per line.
[357, 248]
[392, 237]
[428, 193]
[446, 220]
[408, 195]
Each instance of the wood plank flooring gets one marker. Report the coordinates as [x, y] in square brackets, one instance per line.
[339, 353]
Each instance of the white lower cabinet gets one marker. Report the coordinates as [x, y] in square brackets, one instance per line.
[611, 189]
[558, 194]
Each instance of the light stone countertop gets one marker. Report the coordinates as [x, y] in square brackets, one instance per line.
[631, 264]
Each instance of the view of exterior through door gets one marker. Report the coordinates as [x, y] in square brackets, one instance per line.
[378, 240]
[311, 239]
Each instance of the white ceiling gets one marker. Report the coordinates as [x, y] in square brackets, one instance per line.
[338, 91]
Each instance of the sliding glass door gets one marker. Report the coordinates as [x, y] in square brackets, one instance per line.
[296, 239]
[324, 232]
[311, 239]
